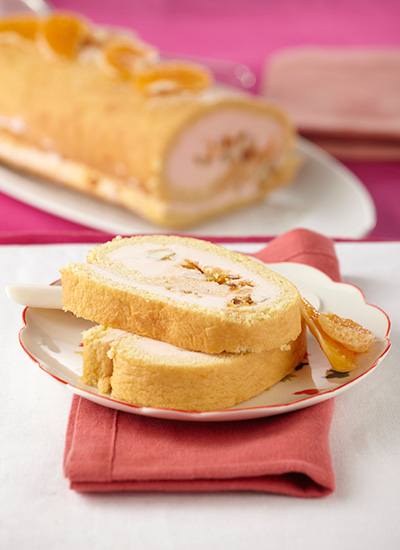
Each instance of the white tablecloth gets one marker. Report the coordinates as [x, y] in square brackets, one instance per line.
[38, 510]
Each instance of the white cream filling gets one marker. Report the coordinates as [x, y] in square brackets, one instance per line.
[185, 168]
[114, 335]
[145, 258]
[161, 270]
[152, 347]
[156, 347]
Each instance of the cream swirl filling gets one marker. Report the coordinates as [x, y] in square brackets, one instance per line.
[191, 276]
[204, 153]
[152, 347]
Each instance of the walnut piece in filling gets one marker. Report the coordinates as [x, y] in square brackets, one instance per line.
[238, 148]
[196, 278]
[160, 254]
[241, 301]
[231, 280]
[216, 275]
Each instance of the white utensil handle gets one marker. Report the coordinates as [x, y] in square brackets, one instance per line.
[50, 297]
[40, 296]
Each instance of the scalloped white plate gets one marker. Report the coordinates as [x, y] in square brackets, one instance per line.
[52, 338]
[325, 197]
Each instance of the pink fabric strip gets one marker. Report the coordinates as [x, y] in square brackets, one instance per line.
[54, 237]
[292, 484]
[65, 237]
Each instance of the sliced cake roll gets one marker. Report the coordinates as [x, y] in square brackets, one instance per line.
[149, 373]
[96, 110]
[187, 292]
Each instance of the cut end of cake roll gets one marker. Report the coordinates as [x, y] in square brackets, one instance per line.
[149, 373]
[114, 121]
[225, 155]
[187, 292]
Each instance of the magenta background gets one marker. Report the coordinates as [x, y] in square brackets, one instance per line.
[245, 31]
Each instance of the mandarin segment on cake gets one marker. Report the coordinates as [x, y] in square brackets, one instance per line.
[171, 77]
[62, 34]
[25, 26]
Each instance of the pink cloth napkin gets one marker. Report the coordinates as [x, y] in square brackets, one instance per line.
[107, 450]
[346, 100]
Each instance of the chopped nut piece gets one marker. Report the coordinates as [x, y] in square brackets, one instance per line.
[216, 275]
[239, 148]
[194, 274]
[257, 298]
[160, 254]
[241, 301]
[188, 264]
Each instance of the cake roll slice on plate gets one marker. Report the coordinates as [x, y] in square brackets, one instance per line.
[149, 373]
[96, 110]
[187, 292]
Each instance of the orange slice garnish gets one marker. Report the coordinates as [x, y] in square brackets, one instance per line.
[169, 78]
[63, 34]
[22, 25]
[126, 55]
[335, 341]
[346, 332]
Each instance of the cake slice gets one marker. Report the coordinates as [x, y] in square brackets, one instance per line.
[187, 292]
[96, 110]
[149, 373]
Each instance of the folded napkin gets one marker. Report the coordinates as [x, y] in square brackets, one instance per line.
[346, 100]
[107, 450]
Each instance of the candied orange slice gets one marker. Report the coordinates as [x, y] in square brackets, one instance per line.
[127, 55]
[166, 78]
[347, 332]
[22, 25]
[63, 34]
[340, 358]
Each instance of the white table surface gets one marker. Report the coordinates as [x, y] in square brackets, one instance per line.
[38, 510]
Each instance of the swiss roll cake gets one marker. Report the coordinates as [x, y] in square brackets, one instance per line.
[150, 373]
[187, 292]
[97, 110]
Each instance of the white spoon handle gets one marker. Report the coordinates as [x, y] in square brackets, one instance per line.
[40, 296]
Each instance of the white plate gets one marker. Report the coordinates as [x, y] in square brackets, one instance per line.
[52, 338]
[325, 197]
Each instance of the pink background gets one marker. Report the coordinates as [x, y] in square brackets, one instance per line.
[245, 31]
